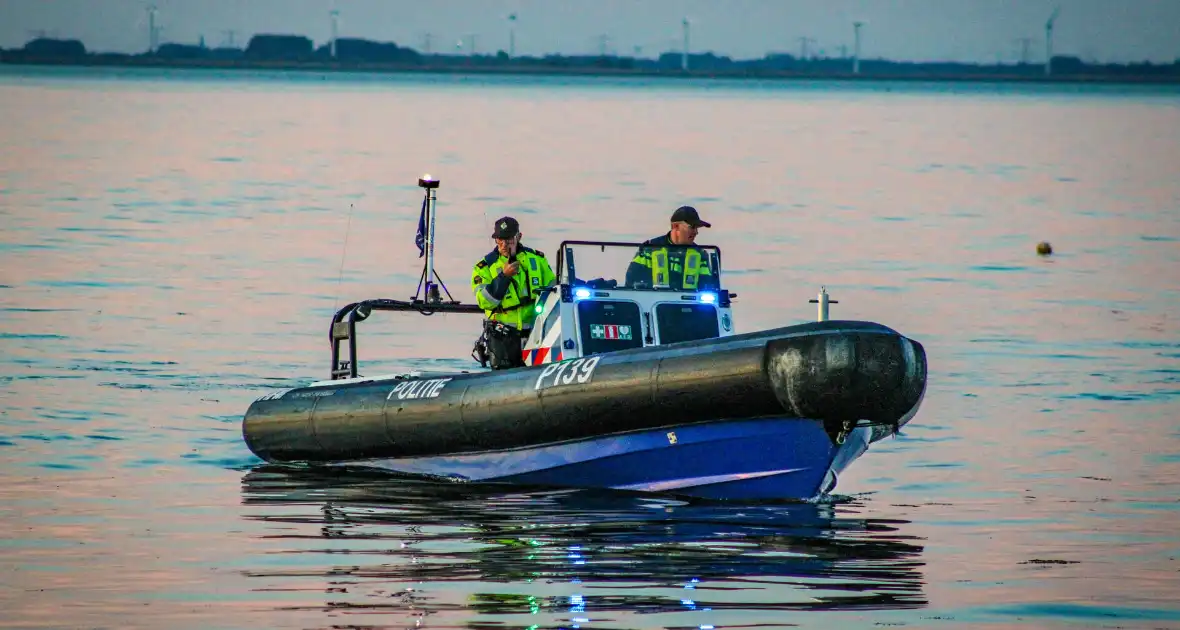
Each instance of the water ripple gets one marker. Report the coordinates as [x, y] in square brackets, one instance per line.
[383, 533]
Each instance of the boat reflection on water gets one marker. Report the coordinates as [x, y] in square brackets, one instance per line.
[416, 548]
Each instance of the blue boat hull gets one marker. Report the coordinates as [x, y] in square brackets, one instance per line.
[751, 416]
[766, 458]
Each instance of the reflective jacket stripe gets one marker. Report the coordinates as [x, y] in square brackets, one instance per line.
[692, 268]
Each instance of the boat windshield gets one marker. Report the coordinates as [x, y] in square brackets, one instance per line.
[602, 265]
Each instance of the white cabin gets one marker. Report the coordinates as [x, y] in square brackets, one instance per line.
[597, 306]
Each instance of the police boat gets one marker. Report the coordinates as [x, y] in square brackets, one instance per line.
[634, 384]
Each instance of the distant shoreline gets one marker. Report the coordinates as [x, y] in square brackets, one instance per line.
[586, 71]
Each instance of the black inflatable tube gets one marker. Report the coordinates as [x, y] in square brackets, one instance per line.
[830, 371]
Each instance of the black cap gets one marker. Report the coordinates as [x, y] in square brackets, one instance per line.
[688, 214]
[506, 227]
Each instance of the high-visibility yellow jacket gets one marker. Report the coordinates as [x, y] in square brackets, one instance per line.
[661, 264]
[511, 300]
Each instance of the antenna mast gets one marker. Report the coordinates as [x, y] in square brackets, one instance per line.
[684, 52]
[1025, 42]
[804, 41]
[426, 233]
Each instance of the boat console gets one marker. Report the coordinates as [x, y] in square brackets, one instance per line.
[605, 301]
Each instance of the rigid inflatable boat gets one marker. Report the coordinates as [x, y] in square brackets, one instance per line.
[627, 385]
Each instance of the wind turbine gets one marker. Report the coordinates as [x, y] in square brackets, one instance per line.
[334, 13]
[153, 31]
[511, 35]
[684, 52]
[856, 47]
[1049, 41]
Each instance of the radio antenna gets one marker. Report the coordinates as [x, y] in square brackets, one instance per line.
[343, 252]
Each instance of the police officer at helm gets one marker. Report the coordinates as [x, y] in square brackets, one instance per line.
[670, 261]
[506, 283]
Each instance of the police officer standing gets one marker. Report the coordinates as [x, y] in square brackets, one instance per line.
[669, 261]
[506, 284]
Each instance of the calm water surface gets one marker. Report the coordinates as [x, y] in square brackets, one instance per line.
[173, 245]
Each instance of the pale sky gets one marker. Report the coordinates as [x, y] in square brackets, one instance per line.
[963, 30]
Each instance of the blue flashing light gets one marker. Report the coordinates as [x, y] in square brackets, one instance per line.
[708, 298]
[581, 293]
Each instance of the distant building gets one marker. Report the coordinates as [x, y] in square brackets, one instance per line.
[60, 48]
[353, 50]
[279, 48]
[182, 51]
[696, 61]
